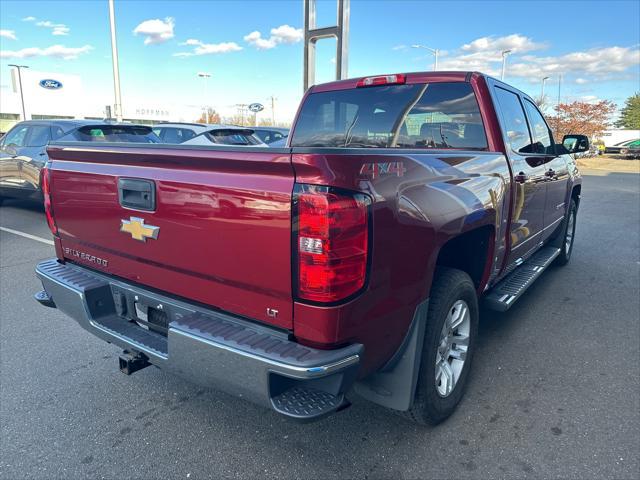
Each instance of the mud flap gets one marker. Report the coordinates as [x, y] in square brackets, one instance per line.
[394, 386]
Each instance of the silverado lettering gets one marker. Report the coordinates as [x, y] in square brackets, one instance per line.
[72, 252]
[352, 260]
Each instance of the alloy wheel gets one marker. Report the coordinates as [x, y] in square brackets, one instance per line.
[451, 352]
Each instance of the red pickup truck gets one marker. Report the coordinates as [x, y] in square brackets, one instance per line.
[353, 260]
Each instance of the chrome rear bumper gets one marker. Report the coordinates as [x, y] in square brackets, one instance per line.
[211, 348]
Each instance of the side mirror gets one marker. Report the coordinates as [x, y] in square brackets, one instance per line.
[576, 143]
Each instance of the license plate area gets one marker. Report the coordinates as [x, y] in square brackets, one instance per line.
[151, 318]
[146, 312]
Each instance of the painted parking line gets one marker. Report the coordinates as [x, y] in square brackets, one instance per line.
[26, 235]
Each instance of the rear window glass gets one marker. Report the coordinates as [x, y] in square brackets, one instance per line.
[174, 135]
[436, 115]
[232, 137]
[269, 136]
[116, 133]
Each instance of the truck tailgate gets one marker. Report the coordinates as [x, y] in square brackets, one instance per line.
[221, 222]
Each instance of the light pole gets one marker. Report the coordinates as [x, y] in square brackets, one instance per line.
[559, 87]
[205, 76]
[273, 110]
[504, 62]
[434, 51]
[558, 104]
[542, 91]
[114, 58]
[18, 67]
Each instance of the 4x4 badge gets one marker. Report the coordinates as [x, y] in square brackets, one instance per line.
[138, 230]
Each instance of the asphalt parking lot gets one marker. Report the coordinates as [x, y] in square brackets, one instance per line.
[555, 390]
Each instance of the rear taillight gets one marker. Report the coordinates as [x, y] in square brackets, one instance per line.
[332, 243]
[45, 183]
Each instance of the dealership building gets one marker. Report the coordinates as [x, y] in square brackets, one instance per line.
[60, 96]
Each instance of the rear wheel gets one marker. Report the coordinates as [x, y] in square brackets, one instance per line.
[568, 235]
[449, 344]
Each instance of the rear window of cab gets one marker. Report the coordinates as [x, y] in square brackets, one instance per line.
[430, 116]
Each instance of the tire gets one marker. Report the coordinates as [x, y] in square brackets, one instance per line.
[432, 404]
[568, 236]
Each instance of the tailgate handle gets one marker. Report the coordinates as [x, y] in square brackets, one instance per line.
[137, 193]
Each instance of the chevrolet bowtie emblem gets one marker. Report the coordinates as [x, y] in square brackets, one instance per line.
[138, 230]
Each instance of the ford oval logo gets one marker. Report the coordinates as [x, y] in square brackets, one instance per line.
[50, 84]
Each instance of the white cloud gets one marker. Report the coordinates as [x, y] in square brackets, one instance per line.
[287, 34]
[29, 19]
[484, 55]
[56, 28]
[515, 42]
[597, 63]
[156, 30]
[399, 47]
[191, 41]
[284, 34]
[202, 48]
[10, 34]
[56, 51]
[60, 30]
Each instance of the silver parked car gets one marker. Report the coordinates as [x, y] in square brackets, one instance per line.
[179, 132]
[226, 135]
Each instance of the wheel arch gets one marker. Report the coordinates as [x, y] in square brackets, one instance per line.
[471, 252]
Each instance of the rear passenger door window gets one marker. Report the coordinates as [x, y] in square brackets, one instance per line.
[38, 136]
[542, 140]
[514, 120]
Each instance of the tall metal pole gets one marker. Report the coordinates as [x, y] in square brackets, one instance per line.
[558, 104]
[559, 85]
[205, 92]
[504, 62]
[312, 34]
[542, 91]
[273, 111]
[434, 51]
[18, 67]
[114, 57]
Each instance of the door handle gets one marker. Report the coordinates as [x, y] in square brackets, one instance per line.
[551, 173]
[521, 177]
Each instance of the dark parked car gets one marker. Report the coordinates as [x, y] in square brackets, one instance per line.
[271, 134]
[23, 150]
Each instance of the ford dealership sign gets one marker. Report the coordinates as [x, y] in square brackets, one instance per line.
[50, 84]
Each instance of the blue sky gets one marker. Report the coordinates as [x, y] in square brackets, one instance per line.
[595, 45]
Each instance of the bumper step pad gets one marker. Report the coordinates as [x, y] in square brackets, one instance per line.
[505, 293]
[306, 403]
